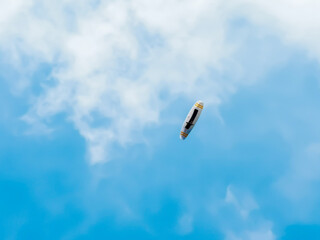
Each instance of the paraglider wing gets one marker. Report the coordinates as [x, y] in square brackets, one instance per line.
[191, 119]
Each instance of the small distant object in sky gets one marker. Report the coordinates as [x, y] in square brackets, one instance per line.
[191, 119]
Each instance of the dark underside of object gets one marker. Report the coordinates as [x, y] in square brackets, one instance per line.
[190, 123]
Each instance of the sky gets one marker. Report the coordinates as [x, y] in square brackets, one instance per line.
[93, 95]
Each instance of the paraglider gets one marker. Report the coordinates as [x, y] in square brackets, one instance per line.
[191, 119]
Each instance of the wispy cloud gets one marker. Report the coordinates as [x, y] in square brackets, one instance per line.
[252, 227]
[263, 233]
[125, 61]
[243, 203]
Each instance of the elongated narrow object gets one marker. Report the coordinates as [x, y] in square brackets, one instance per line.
[191, 119]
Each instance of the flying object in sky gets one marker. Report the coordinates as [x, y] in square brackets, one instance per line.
[191, 119]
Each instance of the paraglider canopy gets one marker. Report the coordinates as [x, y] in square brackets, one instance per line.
[191, 119]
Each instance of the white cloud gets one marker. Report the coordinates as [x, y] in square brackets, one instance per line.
[296, 22]
[242, 201]
[100, 67]
[114, 60]
[248, 227]
[263, 233]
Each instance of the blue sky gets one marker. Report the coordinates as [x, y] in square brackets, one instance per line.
[92, 103]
